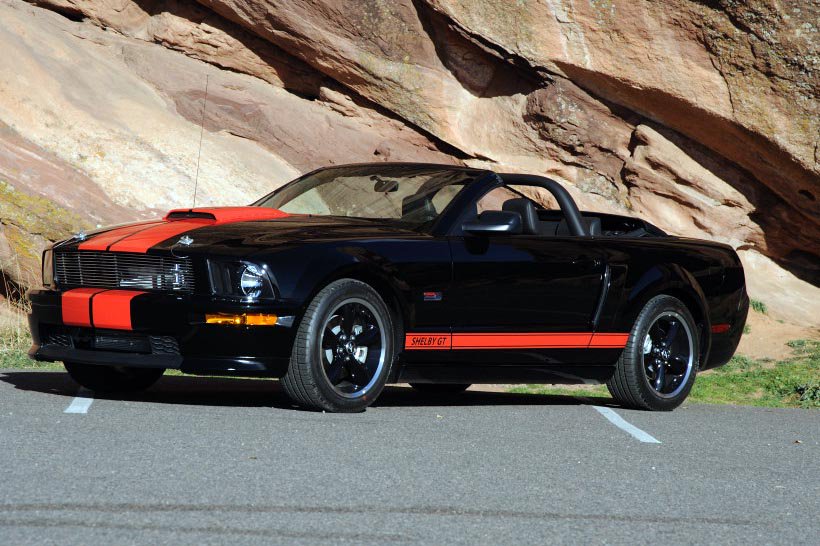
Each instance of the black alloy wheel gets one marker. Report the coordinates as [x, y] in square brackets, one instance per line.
[353, 347]
[344, 349]
[658, 366]
[668, 354]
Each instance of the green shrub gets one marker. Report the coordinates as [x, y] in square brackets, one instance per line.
[759, 306]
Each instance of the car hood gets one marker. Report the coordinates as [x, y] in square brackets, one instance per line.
[234, 231]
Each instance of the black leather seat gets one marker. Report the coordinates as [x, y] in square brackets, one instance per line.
[593, 227]
[528, 212]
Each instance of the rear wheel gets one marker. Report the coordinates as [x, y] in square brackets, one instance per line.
[658, 366]
[113, 378]
[344, 349]
[440, 388]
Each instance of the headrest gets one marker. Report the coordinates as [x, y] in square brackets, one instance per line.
[593, 226]
[528, 212]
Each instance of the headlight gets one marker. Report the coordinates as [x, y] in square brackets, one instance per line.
[240, 280]
[48, 268]
[252, 280]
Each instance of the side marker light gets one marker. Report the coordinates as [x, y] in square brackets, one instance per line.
[243, 319]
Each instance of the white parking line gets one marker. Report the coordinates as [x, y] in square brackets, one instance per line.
[81, 402]
[626, 426]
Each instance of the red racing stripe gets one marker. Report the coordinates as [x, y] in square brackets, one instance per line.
[106, 239]
[112, 309]
[75, 306]
[141, 241]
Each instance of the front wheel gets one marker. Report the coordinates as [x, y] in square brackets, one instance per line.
[344, 349]
[113, 379]
[658, 366]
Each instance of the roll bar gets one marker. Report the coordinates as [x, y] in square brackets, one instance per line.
[574, 220]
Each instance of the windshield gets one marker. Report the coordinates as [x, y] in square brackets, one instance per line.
[413, 195]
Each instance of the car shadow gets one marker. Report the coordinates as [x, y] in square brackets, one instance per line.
[245, 392]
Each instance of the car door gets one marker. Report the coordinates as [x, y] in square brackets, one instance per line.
[523, 297]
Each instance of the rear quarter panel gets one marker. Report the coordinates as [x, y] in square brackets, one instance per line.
[707, 277]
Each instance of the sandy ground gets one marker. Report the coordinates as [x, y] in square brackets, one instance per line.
[768, 337]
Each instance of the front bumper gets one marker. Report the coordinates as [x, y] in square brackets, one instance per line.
[167, 331]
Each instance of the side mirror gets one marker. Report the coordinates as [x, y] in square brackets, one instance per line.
[494, 222]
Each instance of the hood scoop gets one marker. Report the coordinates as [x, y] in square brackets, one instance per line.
[223, 215]
[189, 214]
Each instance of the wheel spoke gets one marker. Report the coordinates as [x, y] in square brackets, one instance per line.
[678, 365]
[349, 312]
[672, 333]
[361, 374]
[329, 340]
[335, 371]
[369, 336]
[660, 376]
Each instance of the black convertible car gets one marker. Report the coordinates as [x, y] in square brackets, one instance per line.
[352, 277]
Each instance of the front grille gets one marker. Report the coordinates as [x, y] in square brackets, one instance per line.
[122, 270]
[122, 342]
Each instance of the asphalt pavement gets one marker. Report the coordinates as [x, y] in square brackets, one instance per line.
[216, 461]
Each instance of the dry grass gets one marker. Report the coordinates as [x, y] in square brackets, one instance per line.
[15, 337]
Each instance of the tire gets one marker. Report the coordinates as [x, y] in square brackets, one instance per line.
[659, 364]
[437, 389]
[344, 349]
[113, 379]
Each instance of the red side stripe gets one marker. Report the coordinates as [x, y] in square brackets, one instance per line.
[76, 306]
[104, 240]
[608, 341]
[112, 309]
[522, 341]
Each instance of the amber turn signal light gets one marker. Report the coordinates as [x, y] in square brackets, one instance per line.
[244, 319]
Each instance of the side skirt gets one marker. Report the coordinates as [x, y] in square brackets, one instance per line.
[484, 373]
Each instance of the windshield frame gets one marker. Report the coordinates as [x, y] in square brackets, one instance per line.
[471, 175]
